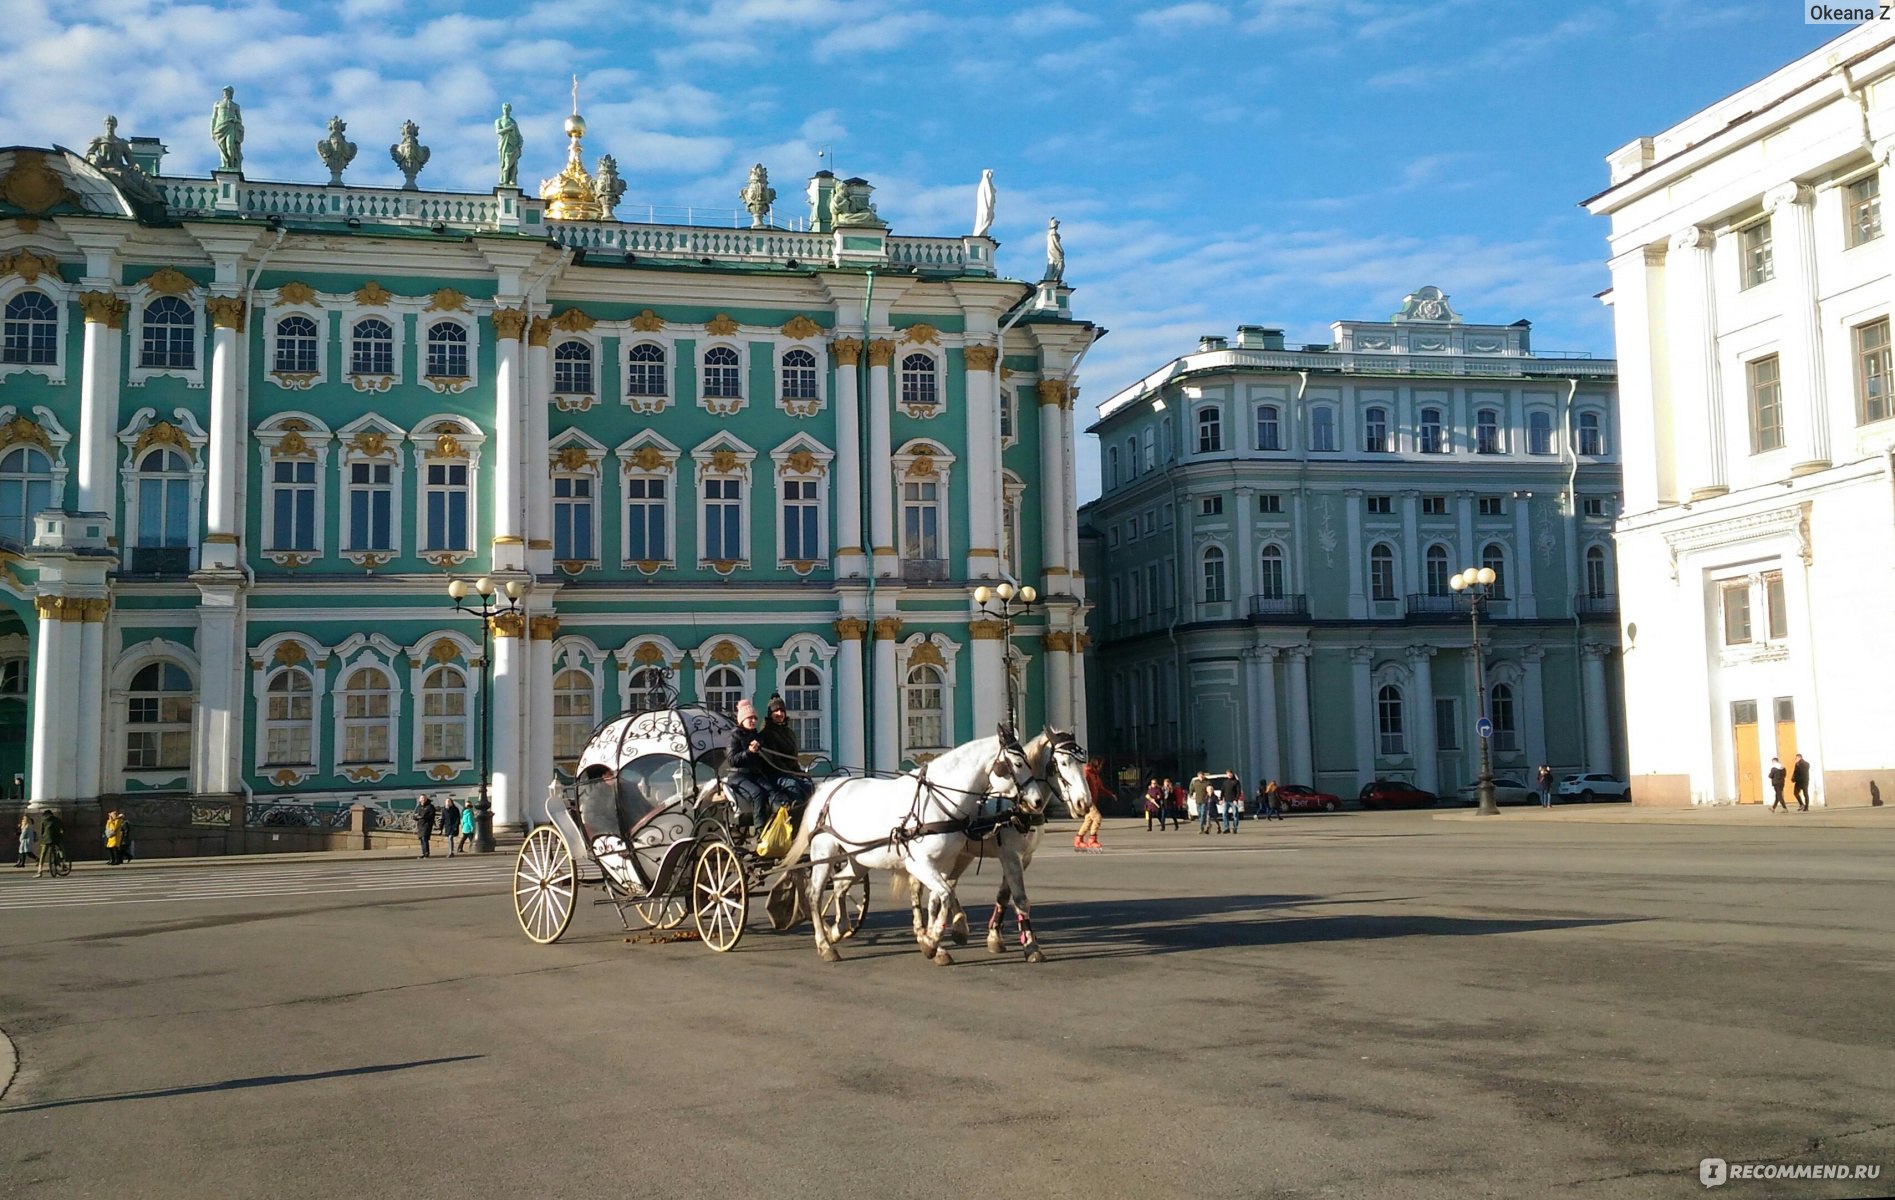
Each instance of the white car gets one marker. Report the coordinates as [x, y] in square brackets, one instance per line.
[1506, 791]
[1595, 787]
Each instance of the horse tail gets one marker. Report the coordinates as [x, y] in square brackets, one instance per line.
[806, 832]
[901, 887]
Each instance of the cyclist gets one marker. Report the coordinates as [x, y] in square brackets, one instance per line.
[52, 843]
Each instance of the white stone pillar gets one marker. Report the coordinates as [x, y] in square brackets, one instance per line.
[1525, 600]
[538, 771]
[1300, 746]
[218, 738]
[1082, 701]
[1691, 316]
[1533, 682]
[509, 485]
[1411, 543]
[851, 556]
[1057, 670]
[990, 672]
[1352, 513]
[511, 789]
[1362, 702]
[984, 501]
[851, 707]
[54, 769]
[98, 404]
[888, 695]
[1805, 390]
[1053, 564]
[538, 468]
[1464, 531]
[1246, 501]
[90, 749]
[223, 522]
[1263, 716]
[1300, 528]
[1598, 727]
[1645, 395]
[1421, 704]
[880, 464]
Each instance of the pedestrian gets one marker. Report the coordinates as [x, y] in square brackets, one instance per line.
[1155, 801]
[1777, 775]
[1177, 804]
[52, 842]
[424, 821]
[1273, 800]
[451, 824]
[114, 837]
[467, 824]
[1546, 786]
[1233, 803]
[1799, 780]
[29, 840]
[1200, 796]
[1099, 795]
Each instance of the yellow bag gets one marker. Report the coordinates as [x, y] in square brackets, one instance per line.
[774, 841]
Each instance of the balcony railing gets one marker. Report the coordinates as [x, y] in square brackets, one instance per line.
[1263, 607]
[1428, 605]
[1604, 604]
[924, 570]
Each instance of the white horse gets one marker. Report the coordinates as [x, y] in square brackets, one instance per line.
[917, 822]
[1057, 761]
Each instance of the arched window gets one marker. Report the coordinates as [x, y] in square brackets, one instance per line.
[447, 351]
[1388, 721]
[296, 346]
[1436, 565]
[1269, 427]
[924, 702]
[29, 333]
[802, 695]
[158, 719]
[164, 502]
[723, 688]
[444, 715]
[1375, 430]
[1381, 572]
[372, 347]
[1500, 712]
[573, 717]
[650, 688]
[1216, 591]
[645, 370]
[1539, 432]
[13, 676]
[1430, 437]
[1210, 430]
[170, 339]
[26, 488]
[1487, 431]
[366, 704]
[289, 719]
[1598, 582]
[572, 368]
[1271, 583]
[1111, 466]
[1494, 555]
[723, 377]
[1591, 434]
[799, 375]
[918, 386]
[1148, 441]
[1131, 458]
[1322, 428]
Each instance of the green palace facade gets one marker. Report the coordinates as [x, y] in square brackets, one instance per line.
[251, 431]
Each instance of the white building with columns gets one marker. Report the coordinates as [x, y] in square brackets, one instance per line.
[1272, 552]
[250, 430]
[1751, 294]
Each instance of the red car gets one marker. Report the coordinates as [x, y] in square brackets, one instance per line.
[1294, 797]
[1393, 793]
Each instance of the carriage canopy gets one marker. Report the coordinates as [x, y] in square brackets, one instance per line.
[638, 764]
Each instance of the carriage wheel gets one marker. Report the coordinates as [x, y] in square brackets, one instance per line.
[719, 896]
[667, 912]
[545, 885]
[844, 905]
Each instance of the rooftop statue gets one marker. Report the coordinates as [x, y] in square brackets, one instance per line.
[1055, 253]
[507, 132]
[984, 204]
[112, 155]
[409, 154]
[758, 196]
[336, 151]
[227, 132]
[610, 187]
[849, 205]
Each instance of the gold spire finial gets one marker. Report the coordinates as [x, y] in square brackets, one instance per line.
[573, 194]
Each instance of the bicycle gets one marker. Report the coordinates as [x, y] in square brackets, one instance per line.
[61, 864]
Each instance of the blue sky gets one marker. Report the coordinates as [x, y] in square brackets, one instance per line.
[1278, 162]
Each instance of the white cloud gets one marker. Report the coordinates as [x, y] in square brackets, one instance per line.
[1179, 18]
[1040, 19]
[882, 33]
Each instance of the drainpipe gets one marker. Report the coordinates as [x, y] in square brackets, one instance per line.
[865, 489]
[1573, 557]
[243, 475]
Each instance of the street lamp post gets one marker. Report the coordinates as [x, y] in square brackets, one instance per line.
[486, 603]
[1013, 602]
[1476, 583]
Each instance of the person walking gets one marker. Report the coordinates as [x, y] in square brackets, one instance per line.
[29, 840]
[451, 824]
[1155, 799]
[1799, 780]
[52, 843]
[1178, 812]
[1098, 793]
[1272, 801]
[1201, 800]
[467, 824]
[425, 816]
[1545, 782]
[1777, 775]
[1233, 803]
[114, 837]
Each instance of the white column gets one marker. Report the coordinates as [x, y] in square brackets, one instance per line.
[1053, 565]
[990, 673]
[1299, 548]
[509, 498]
[1598, 730]
[223, 522]
[1645, 396]
[1362, 702]
[850, 551]
[538, 467]
[1299, 755]
[1082, 706]
[983, 453]
[850, 725]
[511, 789]
[1525, 602]
[219, 731]
[1411, 542]
[1691, 316]
[1464, 530]
[1352, 513]
[1805, 392]
[1057, 669]
[879, 465]
[1269, 752]
[54, 766]
[1069, 494]
[1421, 704]
[1246, 501]
[98, 403]
[538, 770]
[90, 750]
[887, 696]
[1533, 682]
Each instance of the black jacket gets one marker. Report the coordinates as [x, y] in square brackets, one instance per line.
[1800, 775]
[780, 750]
[740, 757]
[424, 816]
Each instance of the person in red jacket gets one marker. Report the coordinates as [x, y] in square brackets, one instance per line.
[1088, 836]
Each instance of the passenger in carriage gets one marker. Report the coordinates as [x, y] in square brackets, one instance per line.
[766, 770]
[792, 785]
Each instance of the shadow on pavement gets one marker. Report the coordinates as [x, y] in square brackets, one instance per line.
[228, 1085]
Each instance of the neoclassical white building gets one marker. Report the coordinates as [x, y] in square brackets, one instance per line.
[1751, 295]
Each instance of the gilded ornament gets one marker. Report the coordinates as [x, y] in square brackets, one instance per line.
[28, 265]
[881, 352]
[923, 467]
[539, 331]
[290, 654]
[26, 429]
[373, 295]
[446, 300]
[1059, 641]
[293, 445]
[163, 433]
[647, 321]
[296, 293]
[443, 651]
[286, 778]
[446, 446]
[443, 771]
[574, 321]
[371, 560]
[922, 334]
[801, 328]
[226, 312]
[103, 308]
[509, 625]
[1082, 642]
[928, 653]
[573, 566]
[720, 325]
[802, 462]
[887, 629]
[651, 458]
[509, 323]
[370, 443]
[169, 281]
[1052, 391]
[32, 186]
[848, 351]
[980, 358]
[96, 608]
[648, 654]
[851, 629]
[726, 652]
[543, 628]
[986, 629]
[725, 462]
[573, 458]
[1006, 373]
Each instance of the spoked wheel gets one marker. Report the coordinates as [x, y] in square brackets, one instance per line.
[545, 885]
[719, 895]
[844, 904]
[667, 912]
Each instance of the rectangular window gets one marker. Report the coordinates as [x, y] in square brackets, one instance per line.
[723, 520]
[1148, 443]
[1487, 432]
[1430, 436]
[1322, 429]
[1434, 506]
[645, 519]
[1375, 431]
[447, 507]
[1493, 506]
[1592, 506]
[1210, 431]
[293, 525]
[1777, 620]
[920, 520]
[1381, 506]
[1863, 199]
[1759, 261]
[1269, 502]
[1539, 432]
[1151, 588]
[1447, 726]
[371, 506]
[800, 528]
[1766, 404]
[1872, 370]
[1736, 598]
[1211, 506]
[1006, 418]
[1269, 428]
[572, 518]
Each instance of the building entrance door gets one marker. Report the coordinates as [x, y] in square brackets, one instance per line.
[1786, 730]
[1744, 742]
